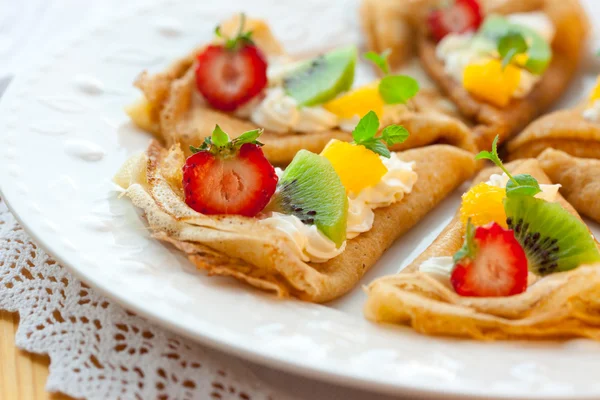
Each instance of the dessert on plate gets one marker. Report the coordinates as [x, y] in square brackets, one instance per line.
[502, 62]
[579, 179]
[516, 262]
[310, 231]
[244, 80]
[575, 131]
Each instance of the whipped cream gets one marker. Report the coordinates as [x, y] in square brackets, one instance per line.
[457, 51]
[441, 266]
[309, 243]
[280, 113]
[548, 193]
[360, 218]
[592, 113]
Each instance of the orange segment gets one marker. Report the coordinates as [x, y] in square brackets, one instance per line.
[489, 82]
[357, 102]
[595, 94]
[483, 204]
[357, 166]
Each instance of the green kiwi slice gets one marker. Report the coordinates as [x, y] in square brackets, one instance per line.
[553, 239]
[311, 190]
[322, 78]
[539, 53]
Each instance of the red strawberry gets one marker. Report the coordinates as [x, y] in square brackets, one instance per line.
[229, 177]
[459, 17]
[491, 263]
[231, 74]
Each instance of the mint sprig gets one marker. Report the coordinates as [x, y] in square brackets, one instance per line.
[510, 45]
[518, 185]
[365, 134]
[242, 36]
[219, 141]
[394, 89]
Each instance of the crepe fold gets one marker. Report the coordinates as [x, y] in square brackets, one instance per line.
[180, 116]
[264, 256]
[565, 130]
[557, 306]
[579, 179]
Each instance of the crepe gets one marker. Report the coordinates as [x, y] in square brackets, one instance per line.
[565, 130]
[179, 116]
[399, 25]
[262, 255]
[557, 306]
[579, 179]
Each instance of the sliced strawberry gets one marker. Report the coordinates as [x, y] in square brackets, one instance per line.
[492, 263]
[229, 177]
[231, 74]
[460, 16]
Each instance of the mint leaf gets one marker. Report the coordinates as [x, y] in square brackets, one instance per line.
[366, 128]
[248, 137]
[398, 89]
[394, 134]
[378, 147]
[381, 60]
[493, 156]
[510, 45]
[522, 185]
[219, 137]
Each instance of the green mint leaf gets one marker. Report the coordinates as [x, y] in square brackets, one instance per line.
[511, 44]
[219, 137]
[366, 128]
[378, 147]
[398, 89]
[493, 157]
[381, 60]
[469, 248]
[248, 137]
[394, 134]
[522, 185]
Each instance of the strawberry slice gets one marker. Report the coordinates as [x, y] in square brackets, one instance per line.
[491, 263]
[229, 176]
[460, 16]
[231, 74]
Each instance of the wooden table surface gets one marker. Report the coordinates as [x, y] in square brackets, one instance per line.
[22, 375]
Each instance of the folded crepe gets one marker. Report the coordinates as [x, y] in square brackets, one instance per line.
[398, 25]
[177, 116]
[565, 130]
[557, 306]
[579, 179]
[262, 255]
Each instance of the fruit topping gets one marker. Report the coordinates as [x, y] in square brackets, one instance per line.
[311, 190]
[226, 176]
[358, 163]
[506, 34]
[491, 263]
[554, 240]
[229, 75]
[357, 102]
[491, 82]
[483, 204]
[459, 16]
[595, 94]
[318, 80]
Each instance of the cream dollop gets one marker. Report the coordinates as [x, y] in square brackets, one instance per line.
[360, 218]
[310, 243]
[397, 182]
[280, 113]
[548, 193]
[592, 113]
[438, 265]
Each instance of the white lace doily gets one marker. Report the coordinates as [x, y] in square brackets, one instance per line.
[97, 349]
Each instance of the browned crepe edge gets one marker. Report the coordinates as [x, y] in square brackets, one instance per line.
[579, 179]
[440, 170]
[565, 130]
[571, 33]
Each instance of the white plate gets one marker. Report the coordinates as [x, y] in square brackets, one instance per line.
[64, 134]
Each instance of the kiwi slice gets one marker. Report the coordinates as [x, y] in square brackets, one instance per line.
[539, 53]
[322, 78]
[553, 239]
[311, 190]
